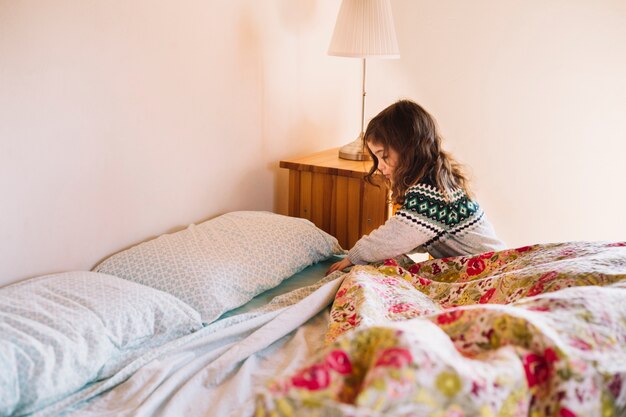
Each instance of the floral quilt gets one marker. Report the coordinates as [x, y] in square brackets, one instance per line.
[535, 331]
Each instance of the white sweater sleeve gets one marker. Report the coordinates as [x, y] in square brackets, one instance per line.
[395, 237]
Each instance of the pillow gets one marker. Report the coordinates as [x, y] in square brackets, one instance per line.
[223, 263]
[60, 332]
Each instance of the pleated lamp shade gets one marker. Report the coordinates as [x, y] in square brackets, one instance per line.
[364, 29]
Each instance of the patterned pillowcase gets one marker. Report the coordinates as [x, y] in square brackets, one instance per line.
[223, 263]
[60, 332]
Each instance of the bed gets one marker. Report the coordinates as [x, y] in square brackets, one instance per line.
[235, 317]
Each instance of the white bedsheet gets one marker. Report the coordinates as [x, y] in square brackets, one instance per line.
[215, 371]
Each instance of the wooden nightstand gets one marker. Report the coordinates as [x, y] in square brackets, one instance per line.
[332, 193]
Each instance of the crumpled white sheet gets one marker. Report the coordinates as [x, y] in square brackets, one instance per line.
[212, 372]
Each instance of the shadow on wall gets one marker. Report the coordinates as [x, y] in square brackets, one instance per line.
[306, 135]
[169, 231]
[296, 15]
[249, 41]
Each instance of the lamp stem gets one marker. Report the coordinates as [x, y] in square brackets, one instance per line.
[356, 150]
[363, 109]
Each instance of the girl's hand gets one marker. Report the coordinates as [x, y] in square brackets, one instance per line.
[338, 266]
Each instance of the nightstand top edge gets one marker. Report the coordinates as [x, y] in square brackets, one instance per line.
[327, 161]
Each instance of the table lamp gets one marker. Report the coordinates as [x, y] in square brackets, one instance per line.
[364, 29]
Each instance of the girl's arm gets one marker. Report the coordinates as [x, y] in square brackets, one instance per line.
[394, 238]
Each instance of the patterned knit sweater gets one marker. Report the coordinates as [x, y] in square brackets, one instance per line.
[428, 223]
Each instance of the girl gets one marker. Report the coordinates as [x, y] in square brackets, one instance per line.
[437, 214]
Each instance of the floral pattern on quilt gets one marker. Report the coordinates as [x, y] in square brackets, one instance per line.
[535, 331]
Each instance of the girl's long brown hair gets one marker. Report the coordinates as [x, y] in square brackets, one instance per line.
[409, 130]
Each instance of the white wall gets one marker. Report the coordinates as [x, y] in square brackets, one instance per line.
[532, 97]
[122, 120]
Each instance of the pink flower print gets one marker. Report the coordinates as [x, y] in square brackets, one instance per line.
[400, 308]
[477, 387]
[339, 361]
[539, 368]
[487, 296]
[449, 316]
[616, 244]
[353, 320]
[550, 276]
[436, 269]
[389, 281]
[446, 260]
[278, 388]
[568, 252]
[524, 249]
[536, 369]
[395, 358]
[566, 412]
[539, 287]
[341, 292]
[414, 269]
[551, 357]
[580, 344]
[313, 378]
[538, 308]
[475, 266]
[535, 289]
[487, 255]
[615, 386]
[424, 281]
[390, 262]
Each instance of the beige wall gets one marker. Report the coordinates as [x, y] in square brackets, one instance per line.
[122, 120]
[532, 96]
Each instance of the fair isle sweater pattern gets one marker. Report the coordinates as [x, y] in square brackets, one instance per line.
[426, 208]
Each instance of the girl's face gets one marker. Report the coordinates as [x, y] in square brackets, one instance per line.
[387, 159]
